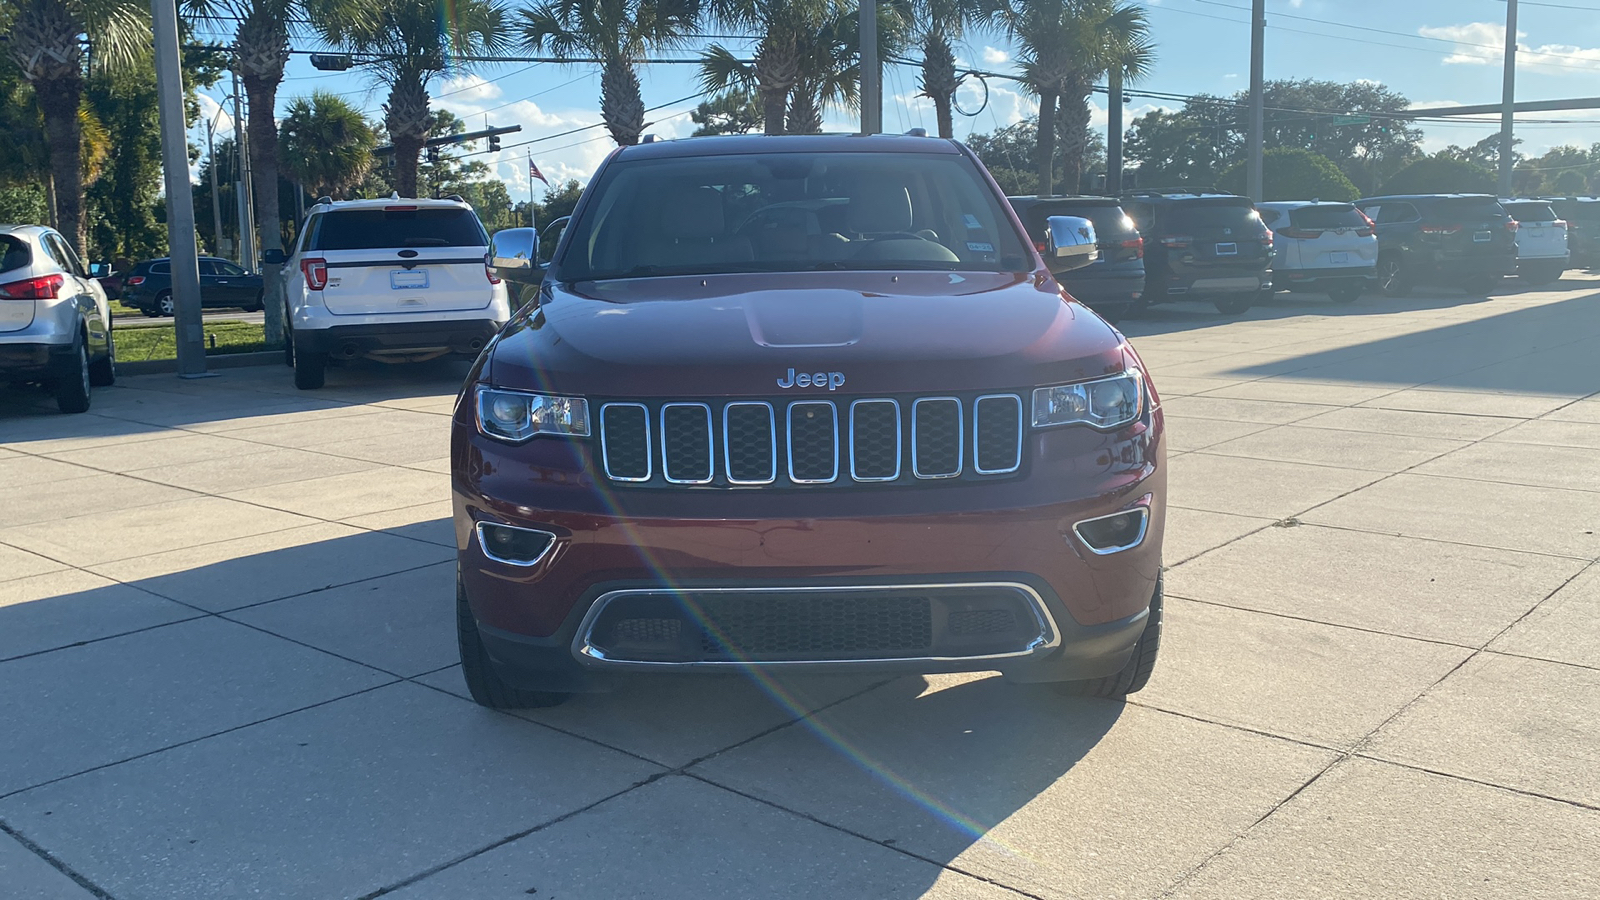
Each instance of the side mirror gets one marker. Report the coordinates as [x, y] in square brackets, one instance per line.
[1070, 243]
[514, 255]
[274, 258]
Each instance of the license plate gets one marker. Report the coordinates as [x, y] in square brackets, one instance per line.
[1338, 259]
[15, 315]
[1482, 237]
[1535, 232]
[402, 280]
[1227, 249]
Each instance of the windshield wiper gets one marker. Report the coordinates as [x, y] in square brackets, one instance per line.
[839, 265]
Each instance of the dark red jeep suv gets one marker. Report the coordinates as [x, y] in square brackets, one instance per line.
[811, 403]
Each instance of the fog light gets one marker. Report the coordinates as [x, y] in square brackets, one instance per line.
[512, 545]
[1114, 533]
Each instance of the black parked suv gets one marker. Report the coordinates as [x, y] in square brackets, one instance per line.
[1582, 215]
[1459, 240]
[1202, 246]
[148, 287]
[1113, 285]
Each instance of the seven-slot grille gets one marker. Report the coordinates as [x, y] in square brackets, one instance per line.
[812, 442]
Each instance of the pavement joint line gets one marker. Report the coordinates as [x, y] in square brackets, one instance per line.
[197, 739]
[886, 844]
[1310, 621]
[1357, 750]
[1454, 776]
[666, 772]
[1518, 484]
[55, 863]
[1410, 537]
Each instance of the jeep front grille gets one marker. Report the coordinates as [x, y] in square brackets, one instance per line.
[813, 442]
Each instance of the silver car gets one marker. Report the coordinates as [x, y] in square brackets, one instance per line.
[55, 321]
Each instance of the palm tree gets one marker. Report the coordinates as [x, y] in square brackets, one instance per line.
[784, 26]
[406, 44]
[44, 43]
[1065, 45]
[327, 144]
[938, 22]
[616, 32]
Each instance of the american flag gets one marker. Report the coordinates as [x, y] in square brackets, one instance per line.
[533, 172]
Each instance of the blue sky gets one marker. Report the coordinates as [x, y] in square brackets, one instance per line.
[1436, 52]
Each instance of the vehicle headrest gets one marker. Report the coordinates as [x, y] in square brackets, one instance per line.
[692, 212]
[879, 207]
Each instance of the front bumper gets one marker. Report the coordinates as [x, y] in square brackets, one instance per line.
[1016, 532]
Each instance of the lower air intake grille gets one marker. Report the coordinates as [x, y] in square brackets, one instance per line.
[799, 627]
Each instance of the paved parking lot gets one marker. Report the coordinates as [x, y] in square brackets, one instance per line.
[227, 657]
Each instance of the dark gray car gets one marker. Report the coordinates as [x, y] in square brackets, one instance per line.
[223, 284]
[1113, 285]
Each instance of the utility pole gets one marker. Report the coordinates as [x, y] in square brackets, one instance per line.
[871, 70]
[241, 142]
[1508, 102]
[1114, 131]
[216, 202]
[180, 197]
[1258, 37]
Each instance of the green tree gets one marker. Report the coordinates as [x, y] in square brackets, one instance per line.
[937, 23]
[1064, 47]
[121, 202]
[784, 26]
[618, 33]
[1007, 154]
[1571, 182]
[730, 112]
[1186, 147]
[43, 39]
[327, 144]
[1293, 174]
[1441, 174]
[407, 44]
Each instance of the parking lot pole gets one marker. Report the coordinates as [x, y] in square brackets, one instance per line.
[1258, 35]
[181, 246]
[1508, 102]
[1114, 131]
[871, 71]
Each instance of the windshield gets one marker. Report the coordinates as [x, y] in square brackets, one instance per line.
[1467, 209]
[1327, 217]
[1192, 216]
[1530, 212]
[790, 212]
[377, 229]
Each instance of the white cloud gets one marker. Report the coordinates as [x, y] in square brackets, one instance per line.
[468, 88]
[993, 56]
[1483, 44]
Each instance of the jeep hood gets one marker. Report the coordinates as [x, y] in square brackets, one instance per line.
[727, 335]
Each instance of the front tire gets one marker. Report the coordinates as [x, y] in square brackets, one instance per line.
[1136, 673]
[255, 307]
[72, 384]
[1480, 285]
[164, 305]
[1392, 278]
[483, 682]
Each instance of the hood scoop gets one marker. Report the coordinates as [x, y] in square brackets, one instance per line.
[809, 319]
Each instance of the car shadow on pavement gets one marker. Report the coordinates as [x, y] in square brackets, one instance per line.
[215, 657]
[1547, 349]
[1172, 318]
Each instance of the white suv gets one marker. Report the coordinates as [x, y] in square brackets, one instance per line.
[55, 323]
[395, 280]
[1322, 247]
[1542, 253]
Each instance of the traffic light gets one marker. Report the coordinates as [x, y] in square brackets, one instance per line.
[494, 142]
[330, 62]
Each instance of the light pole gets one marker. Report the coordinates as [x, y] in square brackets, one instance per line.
[871, 70]
[1508, 102]
[216, 202]
[180, 197]
[1258, 35]
[247, 218]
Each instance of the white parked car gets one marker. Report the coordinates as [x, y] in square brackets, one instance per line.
[1322, 247]
[394, 279]
[55, 321]
[1542, 253]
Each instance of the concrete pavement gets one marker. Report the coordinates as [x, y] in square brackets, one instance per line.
[227, 665]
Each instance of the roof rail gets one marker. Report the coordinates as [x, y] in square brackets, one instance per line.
[322, 200]
[456, 197]
[649, 139]
[918, 132]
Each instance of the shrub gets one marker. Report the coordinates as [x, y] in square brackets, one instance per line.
[1441, 175]
[1293, 174]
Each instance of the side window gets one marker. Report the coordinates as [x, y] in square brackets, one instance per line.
[309, 230]
[74, 265]
[207, 267]
[1269, 216]
[1396, 212]
[1142, 214]
[56, 251]
[227, 268]
[161, 268]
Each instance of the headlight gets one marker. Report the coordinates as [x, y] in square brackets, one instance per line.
[518, 415]
[1105, 403]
